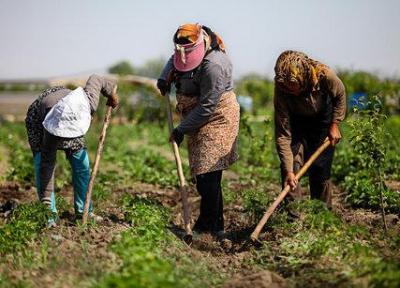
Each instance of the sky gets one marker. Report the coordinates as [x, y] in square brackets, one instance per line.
[53, 38]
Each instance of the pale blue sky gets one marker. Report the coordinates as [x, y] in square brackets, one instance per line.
[65, 37]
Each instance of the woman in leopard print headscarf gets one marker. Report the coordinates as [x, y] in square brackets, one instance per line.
[310, 102]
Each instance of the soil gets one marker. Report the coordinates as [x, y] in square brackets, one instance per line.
[371, 219]
[393, 185]
[14, 191]
[227, 255]
[262, 279]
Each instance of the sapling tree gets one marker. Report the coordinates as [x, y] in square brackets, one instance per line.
[368, 139]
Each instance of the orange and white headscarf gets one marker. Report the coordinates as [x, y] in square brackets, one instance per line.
[192, 41]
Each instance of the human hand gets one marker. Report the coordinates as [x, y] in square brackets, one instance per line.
[113, 99]
[291, 180]
[334, 134]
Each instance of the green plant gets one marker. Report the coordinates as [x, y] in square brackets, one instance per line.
[25, 224]
[368, 139]
[320, 249]
[145, 251]
[255, 203]
[259, 88]
[258, 162]
[20, 157]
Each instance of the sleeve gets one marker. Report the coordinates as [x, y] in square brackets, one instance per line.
[211, 89]
[167, 69]
[338, 92]
[96, 85]
[283, 136]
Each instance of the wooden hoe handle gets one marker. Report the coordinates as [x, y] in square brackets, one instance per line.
[285, 191]
[102, 137]
[182, 182]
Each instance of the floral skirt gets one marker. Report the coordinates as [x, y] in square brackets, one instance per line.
[214, 146]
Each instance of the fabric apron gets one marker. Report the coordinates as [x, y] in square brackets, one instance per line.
[214, 146]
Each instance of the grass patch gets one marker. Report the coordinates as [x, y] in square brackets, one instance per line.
[24, 225]
[322, 250]
[151, 256]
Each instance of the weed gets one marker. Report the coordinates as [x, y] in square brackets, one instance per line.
[255, 202]
[25, 224]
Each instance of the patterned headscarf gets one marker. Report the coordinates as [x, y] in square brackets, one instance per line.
[189, 33]
[192, 43]
[295, 66]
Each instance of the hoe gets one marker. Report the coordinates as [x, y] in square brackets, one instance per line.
[285, 191]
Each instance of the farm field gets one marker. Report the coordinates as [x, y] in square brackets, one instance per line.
[138, 244]
[170, 81]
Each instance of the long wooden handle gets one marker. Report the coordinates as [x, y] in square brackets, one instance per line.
[182, 182]
[96, 164]
[285, 191]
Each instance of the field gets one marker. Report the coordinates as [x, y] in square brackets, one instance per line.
[139, 242]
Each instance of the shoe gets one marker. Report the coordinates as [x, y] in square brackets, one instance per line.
[51, 224]
[95, 217]
[287, 206]
[292, 214]
[53, 221]
[220, 235]
[91, 217]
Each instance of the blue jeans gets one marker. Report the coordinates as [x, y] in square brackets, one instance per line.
[80, 166]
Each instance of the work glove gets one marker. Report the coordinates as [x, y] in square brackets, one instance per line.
[176, 136]
[113, 99]
[164, 86]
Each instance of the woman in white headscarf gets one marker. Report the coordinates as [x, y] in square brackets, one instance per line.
[58, 120]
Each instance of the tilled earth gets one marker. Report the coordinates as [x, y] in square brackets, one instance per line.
[63, 244]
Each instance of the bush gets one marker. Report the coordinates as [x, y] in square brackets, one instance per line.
[364, 162]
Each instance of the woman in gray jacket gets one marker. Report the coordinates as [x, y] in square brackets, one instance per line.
[202, 74]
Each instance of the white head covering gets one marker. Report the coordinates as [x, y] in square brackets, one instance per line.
[70, 117]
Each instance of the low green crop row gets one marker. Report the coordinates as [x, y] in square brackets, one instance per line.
[151, 256]
[321, 250]
[24, 225]
[13, 137]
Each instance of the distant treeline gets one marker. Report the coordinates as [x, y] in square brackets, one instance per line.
[258, 87]
[20, 87]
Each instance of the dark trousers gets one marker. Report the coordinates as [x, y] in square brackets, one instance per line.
[211, 218]
[304, 144]
[79, 161]
[308, 133]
